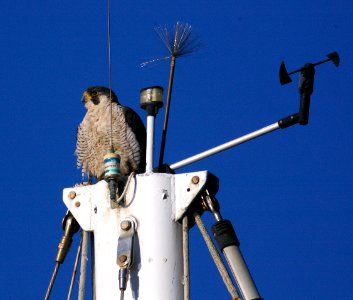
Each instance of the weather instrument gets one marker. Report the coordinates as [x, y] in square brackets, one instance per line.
[284, 77]
[141, 245]
[306, 83]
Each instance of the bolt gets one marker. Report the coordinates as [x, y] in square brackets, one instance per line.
[195, 179]
[122, 259]
[72, 195]
[125, 225]
[77, 204]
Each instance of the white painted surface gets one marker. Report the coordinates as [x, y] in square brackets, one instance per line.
[154, 200]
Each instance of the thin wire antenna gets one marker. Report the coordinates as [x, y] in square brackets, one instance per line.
[110, 80]
[179, 42]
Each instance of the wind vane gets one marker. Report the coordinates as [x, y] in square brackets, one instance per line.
[284, 77]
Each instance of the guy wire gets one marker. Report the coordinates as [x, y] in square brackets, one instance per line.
[110, 81]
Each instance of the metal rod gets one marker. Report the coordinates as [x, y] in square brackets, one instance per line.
[225, 146]
[186, 280]
[241, 273]
[93, 276]
[216, 258]
[83, 269]
[149, 144]
[110, 77]
[167, 107]
[52, 280]
[75, 270]
[315, 64]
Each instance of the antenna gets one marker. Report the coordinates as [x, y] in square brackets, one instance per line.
[180, 42]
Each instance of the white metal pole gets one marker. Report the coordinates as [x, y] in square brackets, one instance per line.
[155, 202]
[149, 144]
[225, 146]
[241, 273]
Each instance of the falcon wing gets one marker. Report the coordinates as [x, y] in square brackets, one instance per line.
[134, 121]
[83, 149]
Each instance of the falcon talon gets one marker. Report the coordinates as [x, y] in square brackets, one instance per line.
[85, 183]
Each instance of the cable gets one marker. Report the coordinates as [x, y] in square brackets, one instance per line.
[75, 269]
[70, 227]
[217, 258]
[186, 280]
[83, 269]
[93, 274]
[125, 188]
[51, 283]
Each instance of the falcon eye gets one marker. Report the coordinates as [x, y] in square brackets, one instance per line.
[95, 100]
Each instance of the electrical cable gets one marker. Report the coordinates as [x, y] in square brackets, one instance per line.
[125, 188]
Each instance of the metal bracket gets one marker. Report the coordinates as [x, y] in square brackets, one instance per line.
[187, 188]
[126, 243]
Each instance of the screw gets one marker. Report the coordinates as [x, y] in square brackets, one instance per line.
[125, 225]
[195, 179]
[122, 259]
[72, 195]
[77, 204]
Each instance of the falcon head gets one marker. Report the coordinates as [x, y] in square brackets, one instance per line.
[97, 94]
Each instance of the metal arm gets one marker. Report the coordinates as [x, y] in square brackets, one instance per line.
[281, 124]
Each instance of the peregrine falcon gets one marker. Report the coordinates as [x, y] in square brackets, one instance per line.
[107, 125]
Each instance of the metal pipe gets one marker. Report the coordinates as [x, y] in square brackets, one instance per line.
[241, 273]
[149, 144]
[225, 146]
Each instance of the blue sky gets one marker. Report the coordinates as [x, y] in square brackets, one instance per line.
[289, 194]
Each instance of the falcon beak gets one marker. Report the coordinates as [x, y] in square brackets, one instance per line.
[86, 97]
